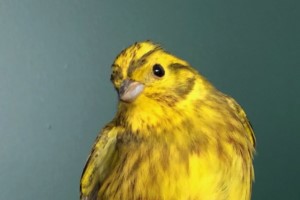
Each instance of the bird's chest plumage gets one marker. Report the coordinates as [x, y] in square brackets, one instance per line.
[143, 170]
[156, 170]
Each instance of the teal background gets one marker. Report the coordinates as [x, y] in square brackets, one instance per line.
[55, 93]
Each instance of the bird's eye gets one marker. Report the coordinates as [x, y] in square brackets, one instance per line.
[158, 70]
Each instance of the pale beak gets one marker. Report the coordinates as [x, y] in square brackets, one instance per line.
[130, 90]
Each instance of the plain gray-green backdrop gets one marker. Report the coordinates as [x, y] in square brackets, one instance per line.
[55, 93]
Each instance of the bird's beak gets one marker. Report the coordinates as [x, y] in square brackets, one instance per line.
[130, 90]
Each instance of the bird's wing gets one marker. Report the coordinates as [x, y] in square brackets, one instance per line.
[244, 120]
[99, 163]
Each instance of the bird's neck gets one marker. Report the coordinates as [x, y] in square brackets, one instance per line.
[148, 116]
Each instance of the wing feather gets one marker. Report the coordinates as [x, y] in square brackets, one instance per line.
[244, 120]
[99, 163]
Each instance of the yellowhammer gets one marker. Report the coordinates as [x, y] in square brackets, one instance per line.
[174, 136]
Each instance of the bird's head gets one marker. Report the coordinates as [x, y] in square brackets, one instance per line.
[145, 70]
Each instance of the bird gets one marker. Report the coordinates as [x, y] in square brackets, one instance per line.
[174, 135]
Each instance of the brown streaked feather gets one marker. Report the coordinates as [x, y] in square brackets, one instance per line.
[98, 164]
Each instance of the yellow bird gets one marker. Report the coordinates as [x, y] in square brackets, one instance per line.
[174, 136]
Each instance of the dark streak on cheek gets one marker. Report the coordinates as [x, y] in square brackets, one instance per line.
[182, 90]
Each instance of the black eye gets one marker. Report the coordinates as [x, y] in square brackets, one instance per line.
[158, 70]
